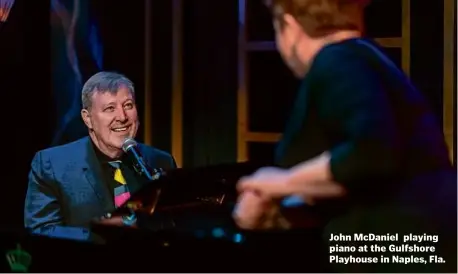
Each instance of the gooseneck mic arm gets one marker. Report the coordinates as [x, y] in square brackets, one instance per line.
[130, 148]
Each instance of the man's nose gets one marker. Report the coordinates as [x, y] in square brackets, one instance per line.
[121, 115]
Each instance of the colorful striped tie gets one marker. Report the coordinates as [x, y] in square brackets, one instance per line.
[119, 177]
[121, 193]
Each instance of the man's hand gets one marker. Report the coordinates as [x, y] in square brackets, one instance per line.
[268, 182]
[262, 192]
[275, 183]
[253, 212]
[112, 221]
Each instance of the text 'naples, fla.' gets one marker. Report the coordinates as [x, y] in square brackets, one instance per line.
[370, 237]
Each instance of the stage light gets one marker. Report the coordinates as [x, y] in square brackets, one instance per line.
[5, 8]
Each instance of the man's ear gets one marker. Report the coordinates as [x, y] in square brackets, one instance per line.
[289, 21]
[86, 118]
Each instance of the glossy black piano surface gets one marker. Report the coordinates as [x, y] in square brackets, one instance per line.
[204, 185]
[193, 199]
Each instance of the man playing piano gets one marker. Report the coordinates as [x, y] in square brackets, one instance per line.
[72, 184]
[360, 137]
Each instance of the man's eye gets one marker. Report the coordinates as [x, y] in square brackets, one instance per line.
[129, 106]
[109, 109]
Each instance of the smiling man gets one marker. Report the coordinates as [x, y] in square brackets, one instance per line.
[72, 184]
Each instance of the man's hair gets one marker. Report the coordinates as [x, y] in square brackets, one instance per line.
[321, 17]
[104, 81]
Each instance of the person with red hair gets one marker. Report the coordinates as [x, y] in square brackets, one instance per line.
[362, 145]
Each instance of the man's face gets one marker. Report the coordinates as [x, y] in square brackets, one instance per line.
[112, 118]
[287, 35]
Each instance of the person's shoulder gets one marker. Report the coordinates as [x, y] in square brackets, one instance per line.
[64, 151]
[345, 61]
[330, 54]
[60, 157]
[345, 53]
[346, 48]
[157, 158]
[153, 151]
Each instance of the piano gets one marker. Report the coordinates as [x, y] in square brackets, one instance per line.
[186, 228]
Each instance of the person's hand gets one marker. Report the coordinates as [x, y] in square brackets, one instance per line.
[252, 211]
[268, 182]
[275, 183]
[262, 193]
[112, 221]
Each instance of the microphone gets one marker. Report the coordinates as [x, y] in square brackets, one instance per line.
[130, 148]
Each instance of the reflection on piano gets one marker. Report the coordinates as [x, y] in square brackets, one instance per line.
[198, 200]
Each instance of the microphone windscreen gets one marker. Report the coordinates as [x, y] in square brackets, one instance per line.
[128, 143]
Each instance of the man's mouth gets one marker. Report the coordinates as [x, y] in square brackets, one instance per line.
[120, 129]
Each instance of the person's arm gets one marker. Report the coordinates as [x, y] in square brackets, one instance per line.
[352, 102]
[42, 211]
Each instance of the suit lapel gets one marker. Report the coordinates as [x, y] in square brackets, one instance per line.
[95, 178]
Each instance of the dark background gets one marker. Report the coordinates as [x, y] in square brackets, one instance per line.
[210, 77]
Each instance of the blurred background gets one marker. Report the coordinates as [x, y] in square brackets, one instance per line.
[210, 86]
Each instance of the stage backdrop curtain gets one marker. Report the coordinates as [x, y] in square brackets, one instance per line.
[210, 82]
[76, 53]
